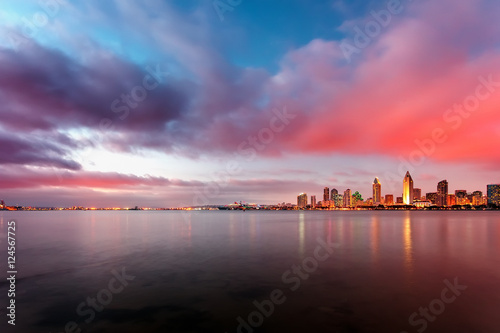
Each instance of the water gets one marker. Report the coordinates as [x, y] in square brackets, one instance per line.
[201, 271]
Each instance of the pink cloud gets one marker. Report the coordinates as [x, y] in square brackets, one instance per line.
[400, 90]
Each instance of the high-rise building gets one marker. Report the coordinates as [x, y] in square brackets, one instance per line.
[302, 200]
[461, 197]
[347, 198]
[333, 193]
[477, 198]
[451, 200]
[338, 200]
[493, 194]
[408, 189]
[417, 194]
[389, 199]
[432, 197]
[442, 193]
[377, 192]
[313, 201]
[326, 194]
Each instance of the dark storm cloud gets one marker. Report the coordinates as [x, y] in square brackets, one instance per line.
[33, 151]
[45, 89]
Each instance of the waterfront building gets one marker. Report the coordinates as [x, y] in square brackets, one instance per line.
[408, 189]
[347, 198]
[422, 204]
[338, 200]
[493, 192]
[326, 194]
[442, 193]
[302, 200]
[432, 197]
[461, 197]
[333, 193]
[417, 194]
[450, 200]
[313, 201]
[377, 192]
[389, 199]
[477, 198]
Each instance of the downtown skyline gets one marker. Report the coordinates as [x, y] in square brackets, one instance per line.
[169, 103]
[410, 196]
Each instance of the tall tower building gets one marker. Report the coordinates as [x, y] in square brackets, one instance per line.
[326, 194]
[408, 189]
[347, 198]
[302, 200]
[377, 191]
[442, 193]
[334, 192]
[313, 201]
[494, 194]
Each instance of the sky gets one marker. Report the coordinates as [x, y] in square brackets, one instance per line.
[179, 103]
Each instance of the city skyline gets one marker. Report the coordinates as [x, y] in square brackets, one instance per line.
[176, 103]
[440, 198]
[410, 196]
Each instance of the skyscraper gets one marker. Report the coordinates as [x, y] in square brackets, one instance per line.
[493, 194]
[326, 194]
[313, 201]
[417, 194]
[432, 197]
[347, 198]
[333, 193]
[338, 200]
[389, 199]
[461, 197]
[477, 198]
[377, 191]
[408, 189]
[451, 200]
[442, 193]
[302, 200]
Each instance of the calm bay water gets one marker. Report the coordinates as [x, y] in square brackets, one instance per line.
[201, 271]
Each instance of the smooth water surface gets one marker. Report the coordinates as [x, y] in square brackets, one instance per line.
[201, 271]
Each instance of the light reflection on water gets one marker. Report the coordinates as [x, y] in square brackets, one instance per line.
[408, 244]
[199, 271]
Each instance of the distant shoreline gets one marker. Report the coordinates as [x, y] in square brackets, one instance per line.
[222, 208]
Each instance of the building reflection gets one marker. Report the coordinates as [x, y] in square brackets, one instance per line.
[375, 239]
[407, 244]
[302, 234]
